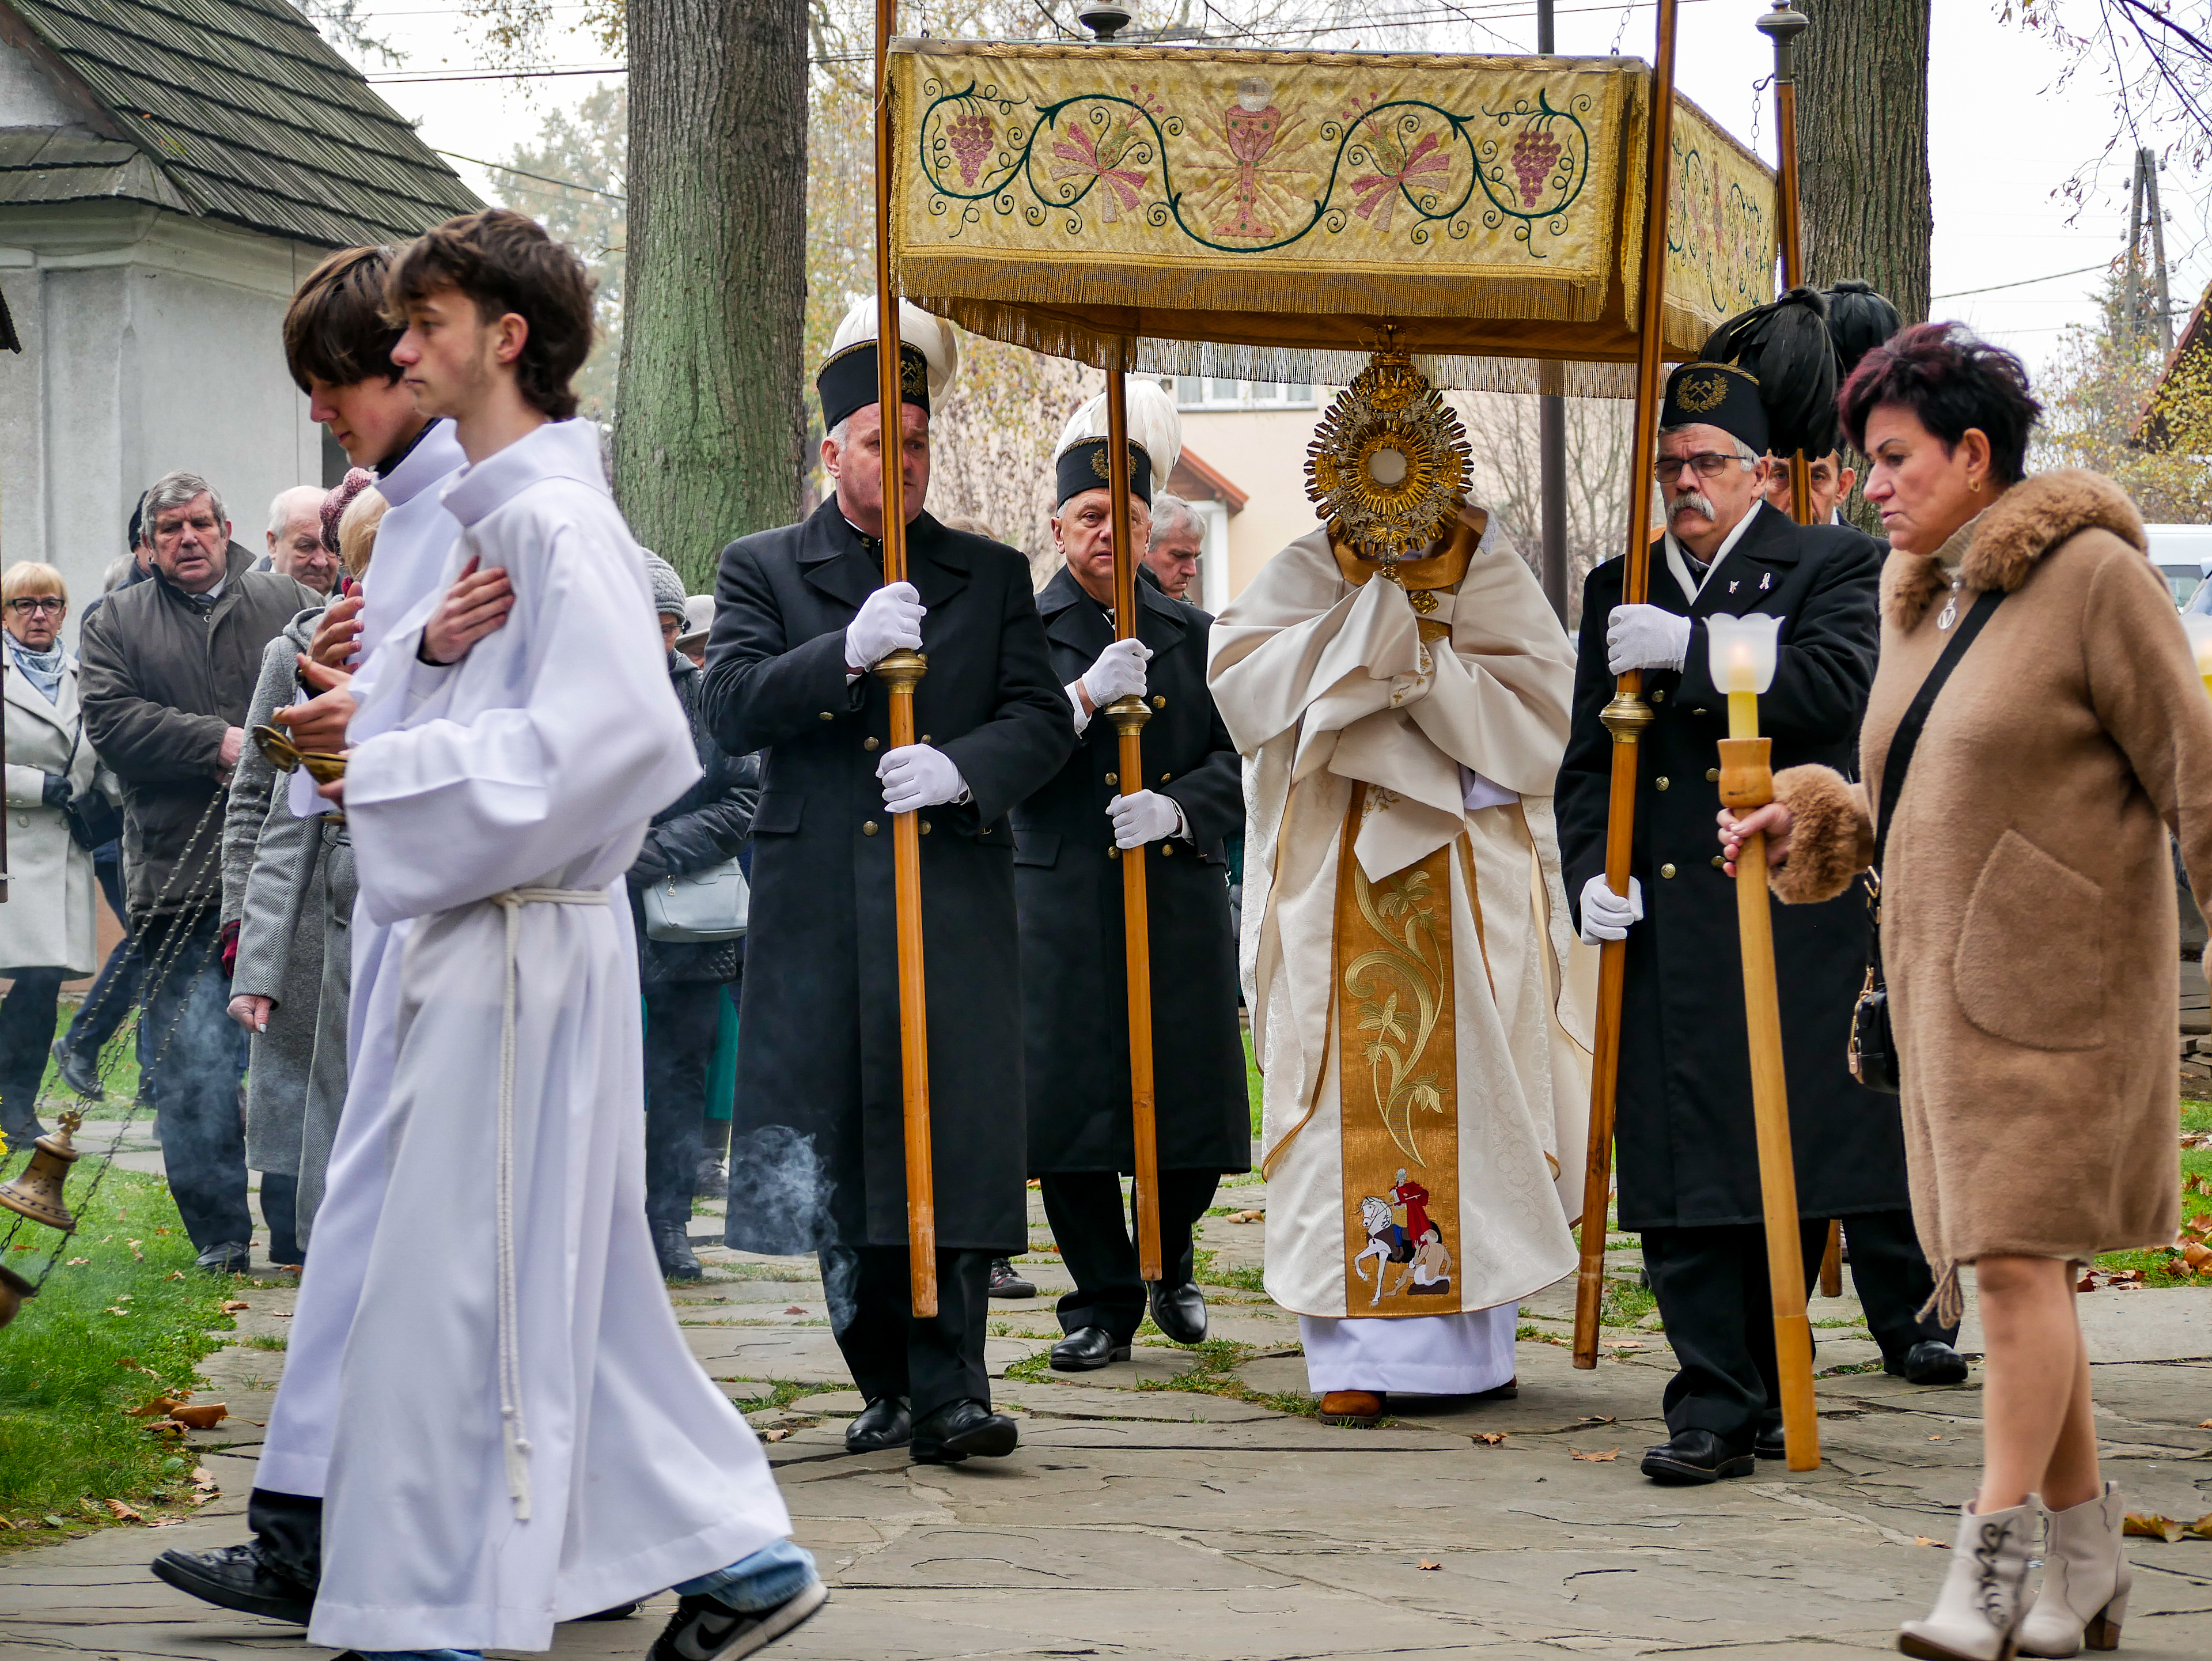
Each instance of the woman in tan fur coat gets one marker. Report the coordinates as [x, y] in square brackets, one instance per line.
[2028, 934]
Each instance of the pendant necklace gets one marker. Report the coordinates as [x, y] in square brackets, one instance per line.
[1949, 614]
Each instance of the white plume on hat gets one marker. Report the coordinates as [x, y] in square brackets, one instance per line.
[1155, 427]
[930, 335]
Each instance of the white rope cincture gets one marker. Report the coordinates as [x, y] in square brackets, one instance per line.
[512, 1431]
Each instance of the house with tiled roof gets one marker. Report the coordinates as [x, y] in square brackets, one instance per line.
[169, 170]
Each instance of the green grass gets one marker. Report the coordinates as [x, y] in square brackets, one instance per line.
[1252, 1082]
[70, 1366]
[1623, 1303]
[2162, 1266]
[1244, 1280]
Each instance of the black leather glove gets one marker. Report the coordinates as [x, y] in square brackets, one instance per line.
[55, 792]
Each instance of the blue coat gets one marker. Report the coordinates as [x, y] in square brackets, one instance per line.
[818, 1086]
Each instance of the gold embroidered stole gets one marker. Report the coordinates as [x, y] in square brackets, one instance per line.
[1398, 1071]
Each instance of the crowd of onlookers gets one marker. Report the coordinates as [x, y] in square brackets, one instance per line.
[132, 771]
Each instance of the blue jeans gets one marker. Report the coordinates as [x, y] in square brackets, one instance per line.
[769, 1577]
[197, 1055]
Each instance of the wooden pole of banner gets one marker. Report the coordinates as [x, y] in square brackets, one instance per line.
[1129, 715]
[901, 672]
[1628, 715]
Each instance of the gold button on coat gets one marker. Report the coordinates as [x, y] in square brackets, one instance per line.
[1719, 864]
[1113, 853]
[1161, 701]
[1166, 849]
[869, 744]
[826, 715]
[1660, 784]
[1712, 775]
[925, 827]
[1666, 870]
[1113, 779]
[1659, 697]
[869, 829]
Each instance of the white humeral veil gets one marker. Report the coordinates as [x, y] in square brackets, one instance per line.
[1326, 686]
[534, 764]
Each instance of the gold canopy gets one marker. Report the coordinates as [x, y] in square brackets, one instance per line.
[1068, 197]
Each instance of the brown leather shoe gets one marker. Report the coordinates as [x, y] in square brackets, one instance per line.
[1360, 1409]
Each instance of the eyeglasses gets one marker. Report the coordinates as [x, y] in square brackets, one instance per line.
[53, 603]
[1707, 464]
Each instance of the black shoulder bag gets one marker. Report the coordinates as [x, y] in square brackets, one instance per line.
[91, 817]
[1873, 1054]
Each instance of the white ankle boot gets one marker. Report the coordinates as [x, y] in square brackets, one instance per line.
[2085, 1580]
[1977, 1614]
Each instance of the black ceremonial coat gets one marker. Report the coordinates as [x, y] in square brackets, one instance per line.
[1688, 1155]
[1074, 967]
[819, 1056]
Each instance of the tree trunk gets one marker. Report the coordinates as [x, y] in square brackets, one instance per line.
[1862, 147]
[711, 425]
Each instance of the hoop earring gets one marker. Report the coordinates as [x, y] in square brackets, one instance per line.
[1975, 485]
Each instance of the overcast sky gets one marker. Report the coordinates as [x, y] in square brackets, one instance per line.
[2001, 140]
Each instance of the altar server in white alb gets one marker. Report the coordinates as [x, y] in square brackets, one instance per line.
[1419, 1005]
[525, 1438]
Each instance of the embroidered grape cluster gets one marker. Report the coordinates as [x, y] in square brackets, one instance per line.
[1535, 153]
[970, 135]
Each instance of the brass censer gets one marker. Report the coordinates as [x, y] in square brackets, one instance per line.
[37, 1192]
[277, 749]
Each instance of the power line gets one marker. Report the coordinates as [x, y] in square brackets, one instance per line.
[524, 173]
[2026, 281]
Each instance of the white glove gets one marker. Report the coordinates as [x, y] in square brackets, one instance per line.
[1118, 672]
[919, 775]
[889, 619]
[1645, 637]
[1145, 817]
[1605, 915]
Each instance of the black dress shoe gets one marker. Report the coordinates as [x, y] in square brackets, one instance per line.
[80, 1073]
[883, 1423]
[1087, 1349]
[672, 1245]
[1005, 1283]
[1770, 1443]
[1179, 1311]
[230, 1258]
[235, 1577]
[1697, 1456]
[963, 1429]
[1930, 1361]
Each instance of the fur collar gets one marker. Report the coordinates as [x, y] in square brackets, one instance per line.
[2009, 535]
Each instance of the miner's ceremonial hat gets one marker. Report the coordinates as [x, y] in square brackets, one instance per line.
[1079, 463]
[1716, 395]
[928, 361]
[1785, 348]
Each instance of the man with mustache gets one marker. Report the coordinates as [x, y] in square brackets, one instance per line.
[1687, 1152]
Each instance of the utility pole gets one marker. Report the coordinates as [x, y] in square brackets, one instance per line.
[2144, 206]
[1552, 431]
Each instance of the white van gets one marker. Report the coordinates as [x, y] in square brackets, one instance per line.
[2181, 553]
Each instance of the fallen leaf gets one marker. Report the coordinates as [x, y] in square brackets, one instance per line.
[1428, 1563]
[116, 1309]
[2152, 1526]
[204, 1416]
[2204, 1424]
[175, 1275]
[1248, 1216]
[134, 1245]
[794, 1309]
[53, 1521]
[158, 1407]
[166, 1523]
[1923, 1540]
[2196, 1255]
[203, 1477]
[1606, 1458]
[1621, 1343]
[1490, 1438]
[774, 1435]
[2201, 1529]
[129, 1363]
[123, 1512]
[74, 1263]
[232, 1306]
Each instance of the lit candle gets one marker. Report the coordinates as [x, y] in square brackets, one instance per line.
[1739, 653]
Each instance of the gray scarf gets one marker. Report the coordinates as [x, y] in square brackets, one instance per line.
[42, 669]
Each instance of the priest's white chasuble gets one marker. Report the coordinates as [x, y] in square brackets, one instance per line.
[1421, 1010]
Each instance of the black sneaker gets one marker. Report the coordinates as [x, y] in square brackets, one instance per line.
[78, 1072]
[230, 1258]
[707, 1629]
[1005, 1283]
[236, 1578]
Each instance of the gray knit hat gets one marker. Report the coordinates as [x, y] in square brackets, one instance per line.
[667, 587]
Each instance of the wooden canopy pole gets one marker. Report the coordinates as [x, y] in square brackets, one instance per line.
[1129, 715]
[900, 671]
[1627, 715]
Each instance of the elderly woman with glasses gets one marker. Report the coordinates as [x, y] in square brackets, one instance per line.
[46, 928]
